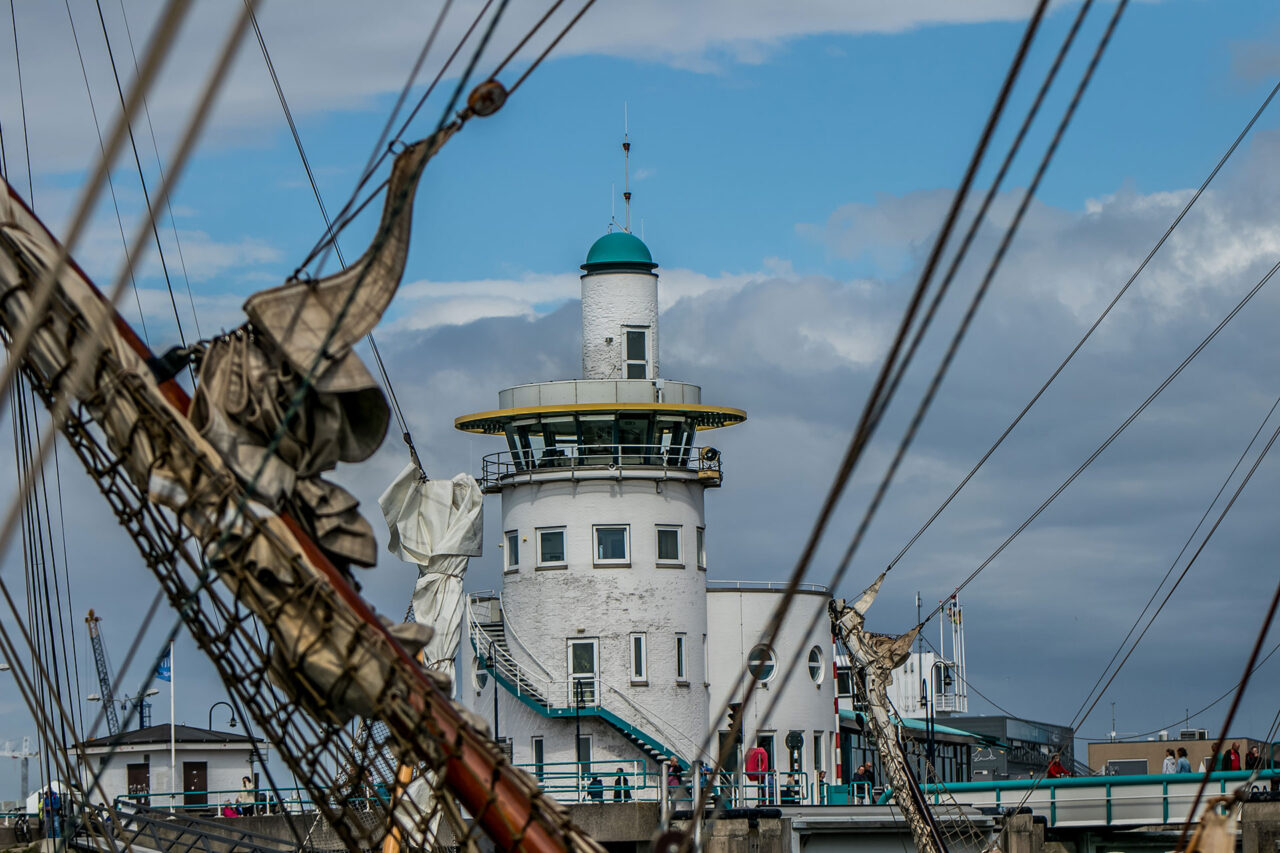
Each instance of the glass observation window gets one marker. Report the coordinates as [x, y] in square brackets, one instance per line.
[668, 544]
[512, 549]
[639, 662]
[551, 547]
[816, 668]
[761, 662]
[611, 544]
[637, 360]
[702, 548]
[682, 672]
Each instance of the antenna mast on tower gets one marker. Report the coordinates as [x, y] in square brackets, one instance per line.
[626, 169]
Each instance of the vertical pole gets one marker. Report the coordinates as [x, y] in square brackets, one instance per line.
[173, 741]
[493, 662]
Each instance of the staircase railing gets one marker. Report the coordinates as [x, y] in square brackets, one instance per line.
[512, 636]
[503, 664]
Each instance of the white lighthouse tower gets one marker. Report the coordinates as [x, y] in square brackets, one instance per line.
[593, 655]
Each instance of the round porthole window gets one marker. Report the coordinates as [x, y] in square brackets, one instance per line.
[816, 669]
[478, 673]
[761, 663]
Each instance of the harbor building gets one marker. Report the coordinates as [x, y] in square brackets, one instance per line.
[604, 649]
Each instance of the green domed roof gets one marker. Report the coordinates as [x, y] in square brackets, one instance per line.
[619, 250]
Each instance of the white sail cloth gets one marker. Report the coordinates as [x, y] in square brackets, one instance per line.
[437, 524]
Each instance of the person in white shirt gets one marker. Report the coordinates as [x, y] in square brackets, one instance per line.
[1170, 763]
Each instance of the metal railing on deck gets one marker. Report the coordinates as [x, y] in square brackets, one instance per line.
[497, 467]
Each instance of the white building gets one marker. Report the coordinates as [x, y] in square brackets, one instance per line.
[209, 765]
[600, 638]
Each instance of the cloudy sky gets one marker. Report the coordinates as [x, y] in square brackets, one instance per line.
[791, 165]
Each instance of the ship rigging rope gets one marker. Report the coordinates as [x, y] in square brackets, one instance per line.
[958, 336]
[1177, 220]
[866, 424]
[93, 110]
[381, 148]
[328, 224]
[33, 534]
[1111, 438]
[146, 195]
[350, 210]
[161, 41]
[91, 341]
[1081, 714]
[42, 294]
[17, 61]
[155, 147]
[1249, 668]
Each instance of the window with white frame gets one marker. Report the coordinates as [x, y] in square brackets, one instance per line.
[636, 363]
[702, 547]
[682, 669]
[511, 551]
[613, 545]
[669, 544]
[551, 547]
[639, 659]
[817, 667]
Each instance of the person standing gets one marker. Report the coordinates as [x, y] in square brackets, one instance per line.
[1184, 764]
[621, 787]
[595, 789]
[1170, 763]
[1233, 757]
[1253, 759]
[247, 798]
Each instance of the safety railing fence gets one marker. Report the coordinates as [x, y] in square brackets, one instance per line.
[601, 782]
[1105, 800]
[232, 802]
[497, 466]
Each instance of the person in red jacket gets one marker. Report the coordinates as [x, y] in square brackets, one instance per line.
[1056, 770]
[1233, 757]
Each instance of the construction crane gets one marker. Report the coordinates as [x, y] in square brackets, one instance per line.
[104, 672]
[24, 755]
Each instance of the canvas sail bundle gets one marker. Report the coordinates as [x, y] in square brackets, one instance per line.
[290, 374]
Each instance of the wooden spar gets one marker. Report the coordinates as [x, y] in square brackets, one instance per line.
[489, 790]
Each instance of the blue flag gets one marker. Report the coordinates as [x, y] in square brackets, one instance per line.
[163, 671]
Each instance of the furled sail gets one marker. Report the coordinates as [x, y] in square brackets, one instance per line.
[278, 431]
[437, 525]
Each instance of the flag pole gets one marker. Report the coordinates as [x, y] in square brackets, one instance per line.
[173, 751]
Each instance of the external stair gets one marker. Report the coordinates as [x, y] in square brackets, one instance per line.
[492, 649]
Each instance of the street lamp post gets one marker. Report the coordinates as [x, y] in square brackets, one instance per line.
[231, 723]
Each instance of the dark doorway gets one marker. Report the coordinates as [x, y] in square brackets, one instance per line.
[139, 782]
[195, 783]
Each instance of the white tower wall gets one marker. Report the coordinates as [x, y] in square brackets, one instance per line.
[547, 607]
[737, 618]
[613, 302]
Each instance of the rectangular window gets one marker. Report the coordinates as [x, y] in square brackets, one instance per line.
[637, 355]
[639, 661]
[539, 757]
[682, 672]
[702, 547]
[551, 547]
[817, 752]
[669, 545]
[512, 549]
[706, 663]
[844, 682]
[612, 546]
[584, 753]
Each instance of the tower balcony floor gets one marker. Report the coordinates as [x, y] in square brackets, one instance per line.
[601, 462]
